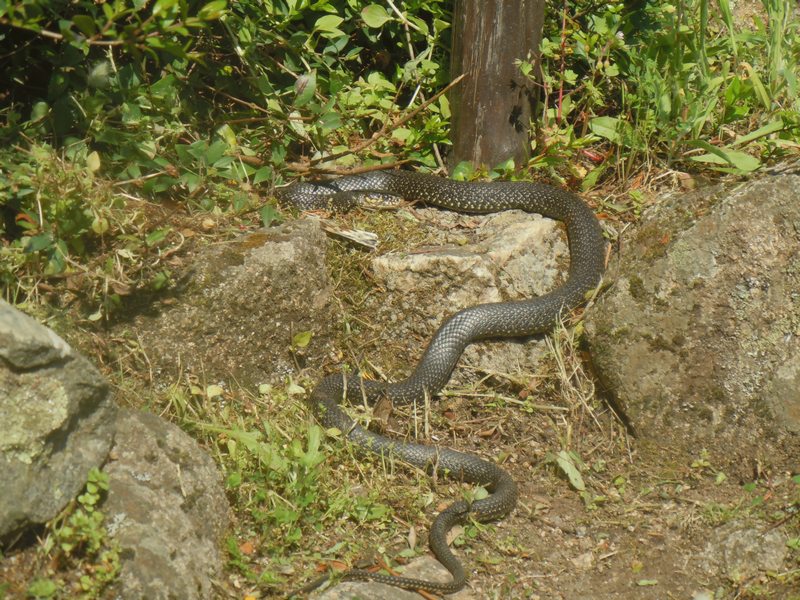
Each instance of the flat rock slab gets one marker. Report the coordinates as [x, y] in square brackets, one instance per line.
[698, 338]
[511, 255]
[56, 421]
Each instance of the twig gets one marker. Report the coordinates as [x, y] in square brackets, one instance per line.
[251, 105]
[92, 41]
[139, 179]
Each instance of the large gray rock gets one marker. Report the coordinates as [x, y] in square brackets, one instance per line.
[56, 422]
[166, 509]
[506, 256]
[244, 302]
[698, 339]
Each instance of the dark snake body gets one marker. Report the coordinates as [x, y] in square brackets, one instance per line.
[495, 320]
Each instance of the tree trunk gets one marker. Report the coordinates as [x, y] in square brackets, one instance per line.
[491, 107]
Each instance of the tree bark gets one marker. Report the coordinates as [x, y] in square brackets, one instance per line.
[491, 108]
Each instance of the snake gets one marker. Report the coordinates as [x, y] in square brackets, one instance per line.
[518, 318]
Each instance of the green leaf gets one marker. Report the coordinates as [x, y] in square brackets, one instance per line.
[419, 24]
[593, 176]
[328, 24]
[375, 16]
[734, 161]
[159, 280]
[251, 441]
[234, 480]
[305, 86]
[100, 76]
[312, 457]
[567, 463]
[85, 24]
[215, 152]
[93, 162]
[163, 6]
[758, 86]
[615, 130]
[213, 10]
[263, 174]
[302, 339]
[226, 133]
[330, 121]
[39, 110]
[605, 127]
[769, 128]
[192, 181]
[214, 390]
[100, 225]
[38, 242]
[444, 107]
[295, 390]
[154, 237]
[42, 588]
[269, 215]
[463, 170]
[401, 134]
[479, 493]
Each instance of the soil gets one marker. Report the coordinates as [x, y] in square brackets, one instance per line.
[649, 524]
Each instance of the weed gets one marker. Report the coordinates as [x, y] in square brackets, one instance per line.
[78, 538]
[673, 84]
[63, 224]
[294, 504]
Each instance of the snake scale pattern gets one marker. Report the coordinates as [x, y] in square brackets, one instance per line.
[495, 320]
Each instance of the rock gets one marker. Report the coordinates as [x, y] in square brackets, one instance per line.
[740, 552]
[698, 338]
[243, 304]
[166, 509]
[511, 255]
[57, 422]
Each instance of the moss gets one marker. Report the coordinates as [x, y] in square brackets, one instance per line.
[637, 289]
[653, 241]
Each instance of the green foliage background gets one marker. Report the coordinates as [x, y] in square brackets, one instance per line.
[209, 103]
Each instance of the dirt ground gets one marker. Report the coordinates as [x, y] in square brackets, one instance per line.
[648, 524]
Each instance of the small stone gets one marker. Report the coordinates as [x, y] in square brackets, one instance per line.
[741, 551]
[584, 561]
